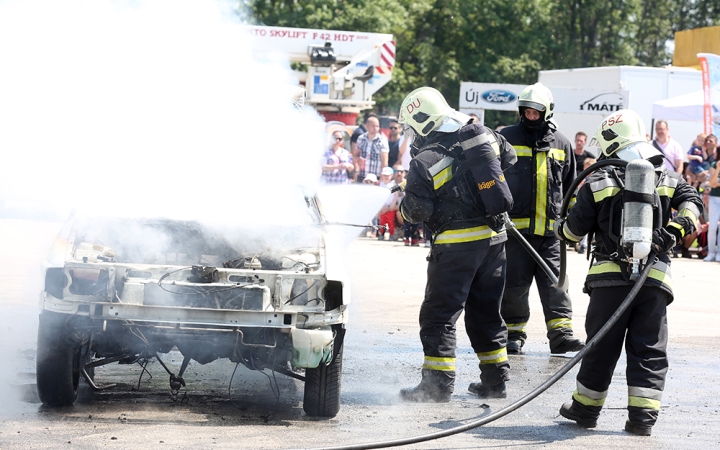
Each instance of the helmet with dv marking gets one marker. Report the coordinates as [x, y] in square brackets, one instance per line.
[424, 110]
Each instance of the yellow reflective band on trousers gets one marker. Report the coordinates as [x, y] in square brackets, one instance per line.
[641, 402]
[466, 235]
[517, 326]
[587, 401]
[562, 322]
[439, 363]
[643, 397]
[589, 397]
[493, 357]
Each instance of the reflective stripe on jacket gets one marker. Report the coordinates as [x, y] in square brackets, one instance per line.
[598, 209]
[435, 196]
[540, 178]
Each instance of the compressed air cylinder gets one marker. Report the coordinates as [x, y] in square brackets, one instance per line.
[638, 215]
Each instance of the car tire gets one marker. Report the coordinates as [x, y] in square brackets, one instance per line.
[58, 364]
[322, 388]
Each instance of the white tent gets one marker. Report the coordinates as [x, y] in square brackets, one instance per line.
[682, 107]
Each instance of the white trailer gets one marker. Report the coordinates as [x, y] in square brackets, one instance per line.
[643, 86]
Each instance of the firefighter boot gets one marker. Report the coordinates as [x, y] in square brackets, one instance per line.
[563, 342]
[640, 421]
[514, 347]
[487, 391]
[435, 387]
[585, 416]
[568, 345]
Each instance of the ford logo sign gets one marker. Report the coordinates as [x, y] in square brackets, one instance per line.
[498, 96]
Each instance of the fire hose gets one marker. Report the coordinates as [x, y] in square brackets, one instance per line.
[561, 372]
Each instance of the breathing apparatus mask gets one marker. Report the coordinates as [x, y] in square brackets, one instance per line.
[536, 124]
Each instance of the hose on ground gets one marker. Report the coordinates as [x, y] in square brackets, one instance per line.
[528, 397]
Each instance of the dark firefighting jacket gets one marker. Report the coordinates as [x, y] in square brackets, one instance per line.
[540, 179]
[456, 186]
[598, 209]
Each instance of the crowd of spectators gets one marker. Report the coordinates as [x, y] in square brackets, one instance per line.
[377, 159]
[383, 159]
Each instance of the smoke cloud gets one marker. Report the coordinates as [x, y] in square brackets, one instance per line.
[149, 108]
[152, 108]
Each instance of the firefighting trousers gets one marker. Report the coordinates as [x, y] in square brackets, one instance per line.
[522, 269]
[472, 281]
[643, 328]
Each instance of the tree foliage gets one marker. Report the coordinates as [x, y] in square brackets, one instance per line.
[441, 43]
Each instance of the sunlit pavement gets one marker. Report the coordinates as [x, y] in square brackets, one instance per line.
[382, 355]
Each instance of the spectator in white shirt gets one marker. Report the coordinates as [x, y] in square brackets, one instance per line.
[669, 147]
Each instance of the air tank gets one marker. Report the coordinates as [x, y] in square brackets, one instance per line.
[637, 212]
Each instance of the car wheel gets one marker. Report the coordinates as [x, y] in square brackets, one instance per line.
[322, 388]
[58, 364]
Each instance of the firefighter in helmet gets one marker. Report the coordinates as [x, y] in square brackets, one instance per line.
[538, 182]
[457, 187]
[601, 201]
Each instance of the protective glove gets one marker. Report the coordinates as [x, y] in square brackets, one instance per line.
[662, 241]
[557, 229]
[497, 221]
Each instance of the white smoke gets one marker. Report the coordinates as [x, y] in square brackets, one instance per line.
[152, 108]
[149, 108]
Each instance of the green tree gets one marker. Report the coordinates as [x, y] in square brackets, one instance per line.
[654, 27]
[441, 43]
[591, 33]
[691, 14]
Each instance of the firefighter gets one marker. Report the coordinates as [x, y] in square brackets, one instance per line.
[643, 326]
[456, 186]
[538, 182]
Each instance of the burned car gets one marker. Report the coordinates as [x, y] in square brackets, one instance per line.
[121, 290]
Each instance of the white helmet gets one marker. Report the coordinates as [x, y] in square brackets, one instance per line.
[537, 97]
[424, 110]
[617, 131]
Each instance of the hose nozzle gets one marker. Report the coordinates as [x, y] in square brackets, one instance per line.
[399, 187]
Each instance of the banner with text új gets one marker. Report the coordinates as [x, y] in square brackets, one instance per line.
[710, 64]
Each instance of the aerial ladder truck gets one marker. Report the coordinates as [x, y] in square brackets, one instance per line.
[341, 69]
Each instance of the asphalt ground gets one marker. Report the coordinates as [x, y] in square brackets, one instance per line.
[382, 355]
